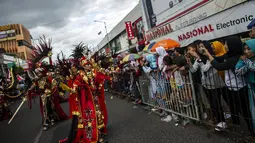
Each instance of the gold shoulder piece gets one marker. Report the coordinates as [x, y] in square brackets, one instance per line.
[64, 87]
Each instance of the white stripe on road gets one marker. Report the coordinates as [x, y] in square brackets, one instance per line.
[37, 139]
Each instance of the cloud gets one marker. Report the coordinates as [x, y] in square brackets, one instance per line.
[67, 22]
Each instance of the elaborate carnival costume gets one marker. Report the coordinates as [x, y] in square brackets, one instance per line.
[5, 111]
[43, 84]
[88, 123]
[8, 90]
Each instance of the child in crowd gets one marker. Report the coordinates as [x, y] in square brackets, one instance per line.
[246, 65]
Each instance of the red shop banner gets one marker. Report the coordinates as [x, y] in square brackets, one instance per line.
[129, 30]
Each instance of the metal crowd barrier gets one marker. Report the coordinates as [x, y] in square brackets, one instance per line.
[206, 103]
[163, 94]
[200, 101]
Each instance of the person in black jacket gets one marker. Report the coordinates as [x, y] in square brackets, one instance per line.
[237, 89]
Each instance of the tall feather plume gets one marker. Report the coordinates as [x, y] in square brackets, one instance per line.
[64, 64]
[40, 52]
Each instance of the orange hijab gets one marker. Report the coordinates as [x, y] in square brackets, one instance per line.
[219, 48]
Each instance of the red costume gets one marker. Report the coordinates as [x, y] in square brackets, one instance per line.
[89, 122]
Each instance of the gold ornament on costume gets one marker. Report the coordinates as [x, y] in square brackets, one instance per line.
[54, 83]
[73, 70]
[49, 54]
[89, 124]
[80, 126]
[47, 91]
[61, 93]
[85, 78]
[81, 73]
[67, 78]
[41, 84]
[92, 61]
[89, 75]
[83, 62]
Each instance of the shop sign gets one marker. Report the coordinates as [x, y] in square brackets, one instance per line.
[158, 32]
[181, 12]
[229, 22]
[6, 28]
[129, 30]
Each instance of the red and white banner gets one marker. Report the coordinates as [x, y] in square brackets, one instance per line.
[229, 22]
[129, 29]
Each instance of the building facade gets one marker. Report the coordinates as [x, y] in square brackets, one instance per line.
[118, 38]
[16, 39]
[187, 21]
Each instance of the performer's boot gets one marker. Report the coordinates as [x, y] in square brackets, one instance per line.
[101, 140]
[102, 137]
[45, 128]
[52, 122]
[63, 141]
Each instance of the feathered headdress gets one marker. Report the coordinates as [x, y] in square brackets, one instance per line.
[64, 64]
[41, 51]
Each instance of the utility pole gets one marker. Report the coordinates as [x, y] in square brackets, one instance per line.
[107, 35]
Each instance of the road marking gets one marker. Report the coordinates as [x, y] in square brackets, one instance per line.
[37, 139]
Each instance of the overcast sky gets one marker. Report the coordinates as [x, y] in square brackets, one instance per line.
[68, 22]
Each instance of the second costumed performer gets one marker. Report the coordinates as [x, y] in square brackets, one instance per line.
[88, 118]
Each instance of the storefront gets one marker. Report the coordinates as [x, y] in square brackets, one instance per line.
[202, 19]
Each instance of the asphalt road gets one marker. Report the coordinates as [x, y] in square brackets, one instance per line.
[126, 125]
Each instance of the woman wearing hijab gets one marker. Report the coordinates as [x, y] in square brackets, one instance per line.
[219, 50]
[161, 86]
[211, 82]
[237, 87]
[161, 52]
[246, 66]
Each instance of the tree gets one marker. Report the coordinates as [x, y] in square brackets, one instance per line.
[80, 50]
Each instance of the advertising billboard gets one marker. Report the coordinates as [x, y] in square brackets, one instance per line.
[162, 17]
[229, 22]
[7, 35]
[6, 27]
[162, 10]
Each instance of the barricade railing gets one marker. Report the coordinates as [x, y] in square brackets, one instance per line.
[210, 101]
[166, 94]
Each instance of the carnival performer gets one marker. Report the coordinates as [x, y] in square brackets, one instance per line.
[5, 111]
[100, 78]
[88, 122]
[43, 84]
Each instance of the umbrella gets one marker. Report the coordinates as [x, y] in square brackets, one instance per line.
[131, 57]
[149, 46]
[167, 44]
